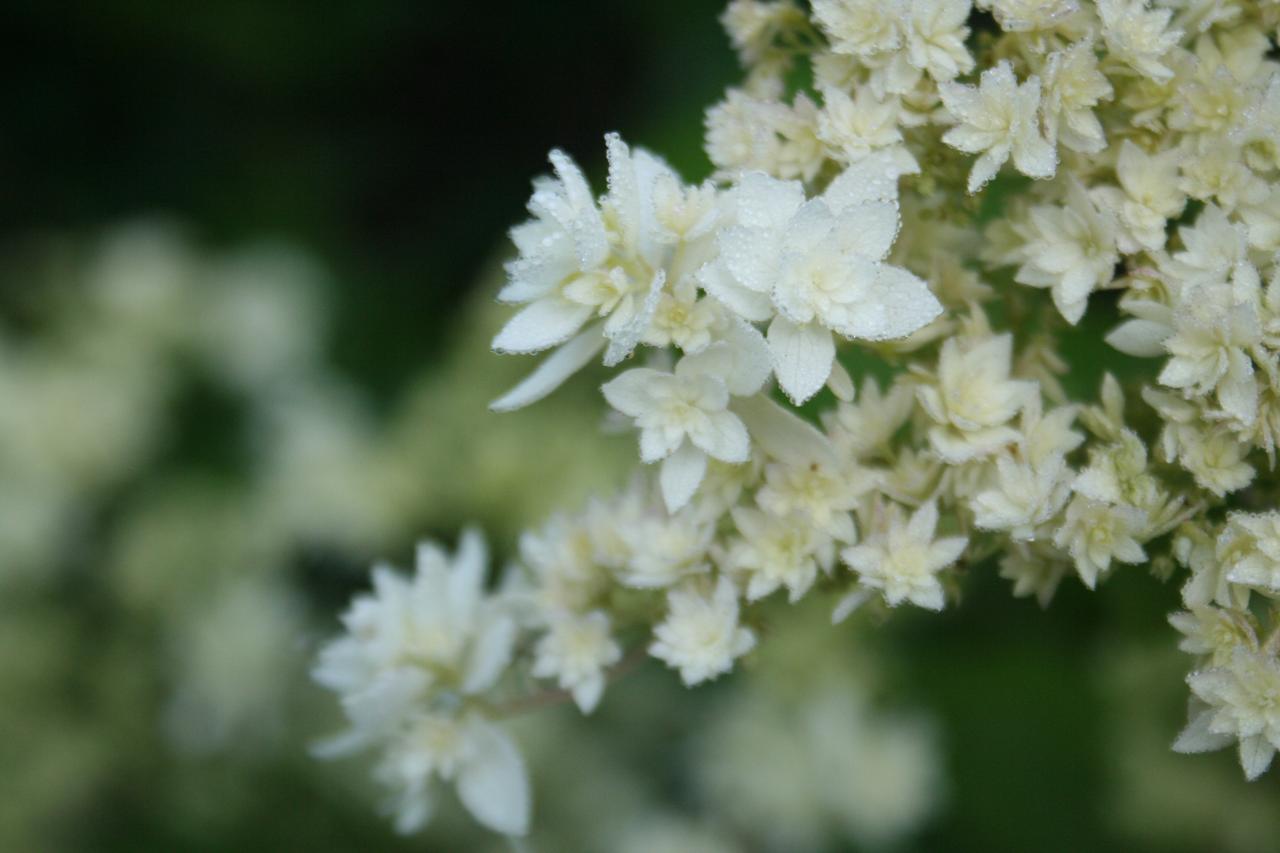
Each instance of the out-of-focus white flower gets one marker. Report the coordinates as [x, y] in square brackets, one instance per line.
[666, 547]
[476, 756]
[701, 635]
[236, 657]
[777, 551]
[1138, 37]
[414, 652]
[854, 127]
[576, 650]
[861, 28]
[998, 119]
[823, 494]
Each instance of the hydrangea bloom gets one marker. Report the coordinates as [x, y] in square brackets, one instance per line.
[850, 242]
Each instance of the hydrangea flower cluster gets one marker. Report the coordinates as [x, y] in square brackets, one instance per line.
[875, 221]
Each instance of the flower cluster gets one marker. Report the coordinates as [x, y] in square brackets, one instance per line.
[854, 372]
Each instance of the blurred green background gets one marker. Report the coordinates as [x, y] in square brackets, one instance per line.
[393, 143]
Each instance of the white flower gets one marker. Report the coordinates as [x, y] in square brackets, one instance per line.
[576, 650]
[478, 757]
[665, 547]
[861, 28]
[1242, 703]
[778, 551]
[1019, 16]
[974, 398]
[1211, 349]
[1148, 196]
[415, 652]
[934, 33]
[1073, 86]
[684, 416]
[824, 495]
[866, 427]
[1212, 249]
[561, 555]
[1035, 568]
[854, 127]
[579, 259]
[1138, 37]
[816, 267]
[1070, 249]
[1096, 533]
[752, 26]
[701, 636]
[903, 561]
[998, 119]
[1255, 560]
[1213, 633]
[436, 630]
[746, 132]
[1025, 496]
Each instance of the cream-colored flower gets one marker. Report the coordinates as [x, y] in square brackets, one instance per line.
[903, 559]
[998, 119]
[1070, 249]
[1137, 36]
[1073, 86]
[576, 650]
[778, 551]
[1096, 533]
[701, 635]
[974, 399]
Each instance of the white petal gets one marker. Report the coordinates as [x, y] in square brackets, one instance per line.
[869, 229]
[541, 325]
[551, 373]
[849, 603]
[587, 694]
[802, 357]
[841, 383]
[763, 201]
[873, 178]
[493, 784]
[1255, 756]
[1238, 392]
[898, 305]
[782, 434]
[1035, 157]
[1141, 338]
[747, 304]
[751, 365]
[1197, 737]
[751, 256]
[725, 438]
[624, 340]
[682, 473]
[985, 168]
[414, 810]
[490, 655]
[628, 392]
